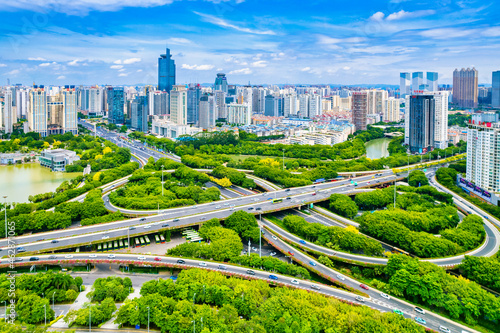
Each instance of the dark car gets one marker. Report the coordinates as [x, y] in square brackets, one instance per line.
[364, 286]
[143, 219]
[250, 272]
[34, 259]
[287, 190]
[52, 257]
[54, 241]
[222, 267]
[258, 208]
[288, 198]
[175, 220]
[250, 208]
[131, 228]
[164, 225]
[273, 277]
[40, 239]
[180, 261]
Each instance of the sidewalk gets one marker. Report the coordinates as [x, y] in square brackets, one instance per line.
[77, 304]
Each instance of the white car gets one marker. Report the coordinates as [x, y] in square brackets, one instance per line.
[111, 256]
[385, 296]
[272, 254]
[147, 226]
[340, 277]
[274, 237]
[231, 209]
[419, 310]
[68, 256]
[105, 237]
[202, 264]
[92, 255]
[231, 206]
[295, 282]
[445, 329]
[217, 207]
[141, 258]
[256, 199]
[156, 223]
[254, 248]
[226, 204]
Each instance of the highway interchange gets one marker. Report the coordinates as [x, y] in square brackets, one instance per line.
[256, 204]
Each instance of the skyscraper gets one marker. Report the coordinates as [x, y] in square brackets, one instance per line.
[158, 103]
[139, 117]
[432, 81]
[221, 82]
[392, 110]
[359, 109]
[404, 84]
[70, 115]
[193, 102]
[495, 93]
[166, 72]
[417, 81]
[37, 115]
[178, 105]
[116, 99]
[421, 123]
[208, 111]
[8, 116]
[465, 89]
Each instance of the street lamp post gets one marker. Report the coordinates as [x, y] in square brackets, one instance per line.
[194, 326]
[90, 317]
[283, 159]
[45, 313]
[148, 319]
[194, 298]
[162, 180]
[394, 193]
[260, 241]
[53, 307]
[249, 248]
[5, 208]
[5, 302]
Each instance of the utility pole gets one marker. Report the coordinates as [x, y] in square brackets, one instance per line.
[53, 307]
[45, 313]
[394, 193]
[283, 159]
[194, 326]
[249, 248]
[128, 237]
[5, 302]
[162, 180]
[148, 319]
[90, 317]
[260, 241]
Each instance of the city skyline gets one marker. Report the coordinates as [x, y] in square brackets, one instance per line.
[118, 43]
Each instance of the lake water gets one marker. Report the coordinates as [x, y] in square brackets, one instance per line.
[20, 181]
[377, 148]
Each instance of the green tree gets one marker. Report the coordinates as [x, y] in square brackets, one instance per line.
[343, 205]
[417, 178]
[244, 224]
[31, 309]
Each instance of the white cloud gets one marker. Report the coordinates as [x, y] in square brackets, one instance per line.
[260, 63]
[62, 77]
[245, 71]
[446, 33]
[116, 67]
[45, 64]
[121, 70]
[406, 15]
[346, 68]
[12, 72]
[198, 67]
[225, 24]
[378, 16]
[3, 65]
[117, 62]
[139, 70]
[178, 41]
[74, 62]
[37, 59]
[131, 61]
[306, 69]
[123, 74]
[491, 32]
[326, 40]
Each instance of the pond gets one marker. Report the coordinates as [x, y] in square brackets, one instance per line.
[377, 148]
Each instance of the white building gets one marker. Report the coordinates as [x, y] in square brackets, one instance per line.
[220, 101]
[96, 101]
[37, 115]
[483, 156]
[158, 103]
[314, 106]
[208, 112]
[303, 105]
[290, 105]
[392, 113]
[169, 129]
[240, 114]
[178, 105]
[377, 101]
[8, 114]
[22, 103]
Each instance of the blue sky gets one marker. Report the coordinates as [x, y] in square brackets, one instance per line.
[261, 42]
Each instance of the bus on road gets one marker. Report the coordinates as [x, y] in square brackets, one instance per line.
[275, 201]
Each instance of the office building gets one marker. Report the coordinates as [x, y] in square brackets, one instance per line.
[163, 127]
[239, 114]
[432, 81]
[440, 119]
[360, 110]
[465, 87]
[22, 102]
[272, 106]
[116, 102]
[404, 84]
[193, 102]
[315, 106]
[37, 115]
[221, 83]
[208, 111]
[166, 72]
[8, 114]
[421, 123]
[290, 105]
[178, 105]
[392, 112]
[139, 114]
[417, 81]
[58, 159]
[495, 91]
[158, 103]
[483, 155]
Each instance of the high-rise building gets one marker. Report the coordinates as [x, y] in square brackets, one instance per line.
[272, 106]
[178, 105]
[139, 114]
[240, 114]
[193, 102]
[95, 102]
[465, 87]
[290, 105]
[116, 101]
[421, 123]
[417, 82]
[432, 81]
[392, 113]
[158, 103]
[314, 106]
[221, 83]
[220, 101]
[377, 101]
[22, 102]
[303, 105]
[495, 91]
[69, 117]
[37, 115]
[208, 111]
[404, 84]
[483, 150]
[359, 109]
[8, 114]
[166, 72]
